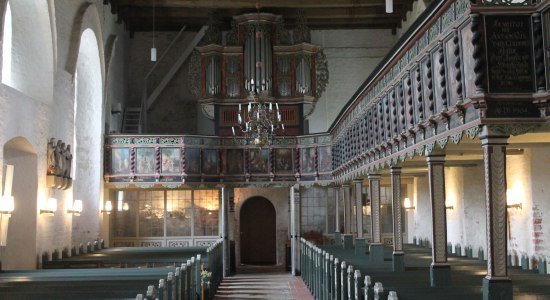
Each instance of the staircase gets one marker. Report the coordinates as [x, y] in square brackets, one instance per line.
[131, 120]
[157, 78]
[263, 286]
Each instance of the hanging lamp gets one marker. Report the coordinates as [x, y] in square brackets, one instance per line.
[154, 49]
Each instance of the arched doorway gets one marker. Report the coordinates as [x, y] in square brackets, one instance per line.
[258, 227]
[20, 250]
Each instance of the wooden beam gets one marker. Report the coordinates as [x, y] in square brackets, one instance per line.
[263, 3]
[287, 13]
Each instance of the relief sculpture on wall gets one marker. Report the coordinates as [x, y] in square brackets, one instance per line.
[59, 158]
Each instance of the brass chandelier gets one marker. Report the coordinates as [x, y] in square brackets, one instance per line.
[259, 120]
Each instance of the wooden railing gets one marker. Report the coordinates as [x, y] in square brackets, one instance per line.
[186, 282]
[434, 86]
[328, 277]
[172, 160]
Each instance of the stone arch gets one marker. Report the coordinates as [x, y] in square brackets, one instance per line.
[20, 250]
[88, 116]
[87, 18]
[32, 52]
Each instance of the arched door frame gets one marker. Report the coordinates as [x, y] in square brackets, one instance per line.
[273, 234]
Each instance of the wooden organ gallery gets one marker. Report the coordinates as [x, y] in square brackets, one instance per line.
[372, 154]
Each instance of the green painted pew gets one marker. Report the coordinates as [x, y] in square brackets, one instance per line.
[124, 257]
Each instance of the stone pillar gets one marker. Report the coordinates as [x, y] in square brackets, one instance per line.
[440, 274]
[360, 244]
[376, 249]
[398, 254]
[347, 208]
[337, 234]
[348, 237]
[294, 228]
[497, 284]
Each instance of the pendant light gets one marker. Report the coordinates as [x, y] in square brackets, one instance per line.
[154, 50]
[389, 6]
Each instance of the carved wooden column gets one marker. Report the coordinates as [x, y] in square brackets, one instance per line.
[376, 248]
[360, 245]
[225, 194]
[497, 284]
[398, 254]
[337, 234]
[439, 269]
[348, 238]
[295, 228]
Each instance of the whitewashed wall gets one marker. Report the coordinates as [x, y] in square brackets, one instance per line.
[44, 106]
[279, 197]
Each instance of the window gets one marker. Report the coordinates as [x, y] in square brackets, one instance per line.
[315, 216]
[7, 46]
[172, 213]
[151, 213]
[206, 212]
[179, 211]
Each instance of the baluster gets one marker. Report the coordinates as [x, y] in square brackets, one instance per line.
[378, 291]
[343, 281]
[336, 280]
[164, 288]
[368, 292]
[351, 285]
[358, 285]
[175, 286]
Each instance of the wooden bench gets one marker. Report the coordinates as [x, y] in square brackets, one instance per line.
[127, 257]
[93, 282]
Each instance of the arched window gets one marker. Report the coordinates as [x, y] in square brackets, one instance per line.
[6, 47]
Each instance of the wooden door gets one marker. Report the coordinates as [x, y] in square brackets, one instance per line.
[258, 232]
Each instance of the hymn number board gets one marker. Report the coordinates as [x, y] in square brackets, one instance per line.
[510, 54]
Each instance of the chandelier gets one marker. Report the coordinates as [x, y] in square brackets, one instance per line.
[259, 121]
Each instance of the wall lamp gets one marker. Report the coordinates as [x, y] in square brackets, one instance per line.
[77, 208]
[108, 207]
[6, 205]
[515, 205]
[51, 207]
[513, 199]
[6, 201]
[407, 204]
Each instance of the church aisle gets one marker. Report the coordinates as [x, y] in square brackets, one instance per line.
[263, 286]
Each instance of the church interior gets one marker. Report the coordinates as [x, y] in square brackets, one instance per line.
[263, 149]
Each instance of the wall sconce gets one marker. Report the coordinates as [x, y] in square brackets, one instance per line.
[407, 204]
[51, 207]
[108, 207]
[77, 208]
[6, 205]
[116, 109]
[515, 205]
[6, 201]
[125, 206]
[512, 199]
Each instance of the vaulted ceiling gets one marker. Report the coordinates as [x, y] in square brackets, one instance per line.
[172, 15]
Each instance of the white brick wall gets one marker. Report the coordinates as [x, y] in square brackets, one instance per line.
[42, 107]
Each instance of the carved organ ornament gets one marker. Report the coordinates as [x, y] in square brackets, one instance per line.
[258, 56]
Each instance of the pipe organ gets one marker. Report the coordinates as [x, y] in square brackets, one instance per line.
[258, 55]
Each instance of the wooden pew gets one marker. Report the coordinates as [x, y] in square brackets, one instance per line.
[179, 282]
[124, 257]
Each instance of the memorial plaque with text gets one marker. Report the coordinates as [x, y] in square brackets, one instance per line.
[509, 54]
